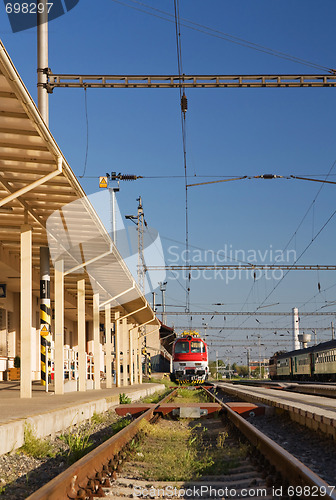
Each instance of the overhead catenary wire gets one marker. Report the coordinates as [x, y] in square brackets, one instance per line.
[313, 237]
[201, 28]
[295, 232]
[183, 103]
[311, 204]
[200, 176]
[301, 255]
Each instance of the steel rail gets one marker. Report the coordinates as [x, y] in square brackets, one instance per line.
[294, 471]
[73, 482]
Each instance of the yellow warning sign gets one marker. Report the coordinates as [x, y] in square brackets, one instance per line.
[103, 182]
[44, 329]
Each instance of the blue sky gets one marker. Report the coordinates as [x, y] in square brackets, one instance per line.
[230, 132]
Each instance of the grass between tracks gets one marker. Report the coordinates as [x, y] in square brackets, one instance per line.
[190, 395]
[181, 451]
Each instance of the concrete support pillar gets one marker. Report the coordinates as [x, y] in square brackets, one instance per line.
[125, 348]
[82, 365]
[296, 343]
[135, 355]
[139, 357]
[131, 357]
[117, 333]
[26, 309]
[108, 346]
[96, 341]
[59, 327]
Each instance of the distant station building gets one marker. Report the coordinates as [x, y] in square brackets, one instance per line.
[69, 307]
[255, 366]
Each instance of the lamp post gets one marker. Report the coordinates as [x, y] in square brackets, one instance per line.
[263, 362]
[163, 288]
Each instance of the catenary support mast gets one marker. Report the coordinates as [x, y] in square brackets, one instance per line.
[42, 61]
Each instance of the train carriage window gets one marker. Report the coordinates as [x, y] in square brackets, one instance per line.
[182, 347]
[197, 347]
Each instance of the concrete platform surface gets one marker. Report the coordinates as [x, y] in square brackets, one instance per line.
[49, 414]
[316, 412]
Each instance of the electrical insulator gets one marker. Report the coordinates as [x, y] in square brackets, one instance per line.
[268, 176]
[184, 103]
[113, 176]
[128, 177]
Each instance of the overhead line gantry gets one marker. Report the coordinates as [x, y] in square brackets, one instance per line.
[187, 81]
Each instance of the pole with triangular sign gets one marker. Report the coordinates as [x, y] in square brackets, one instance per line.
[45, 315]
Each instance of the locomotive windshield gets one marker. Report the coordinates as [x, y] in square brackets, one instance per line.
[182, 347]
[197, 346]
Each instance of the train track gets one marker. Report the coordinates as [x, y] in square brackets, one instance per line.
[271, 469]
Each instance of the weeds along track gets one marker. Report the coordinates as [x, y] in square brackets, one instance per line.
[217, 456]
[189, 459]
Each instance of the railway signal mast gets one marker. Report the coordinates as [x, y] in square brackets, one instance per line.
[112, 182]
[140, 222]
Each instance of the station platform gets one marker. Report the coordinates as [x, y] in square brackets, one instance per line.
[315, 412]
[326, 389]
[48, 413]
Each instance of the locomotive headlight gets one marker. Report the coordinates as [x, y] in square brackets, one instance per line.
[198, 364]
[182, 364]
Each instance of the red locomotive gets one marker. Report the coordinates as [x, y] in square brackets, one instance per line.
[190, 358]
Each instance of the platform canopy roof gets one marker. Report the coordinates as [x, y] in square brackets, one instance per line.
[38, 188]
